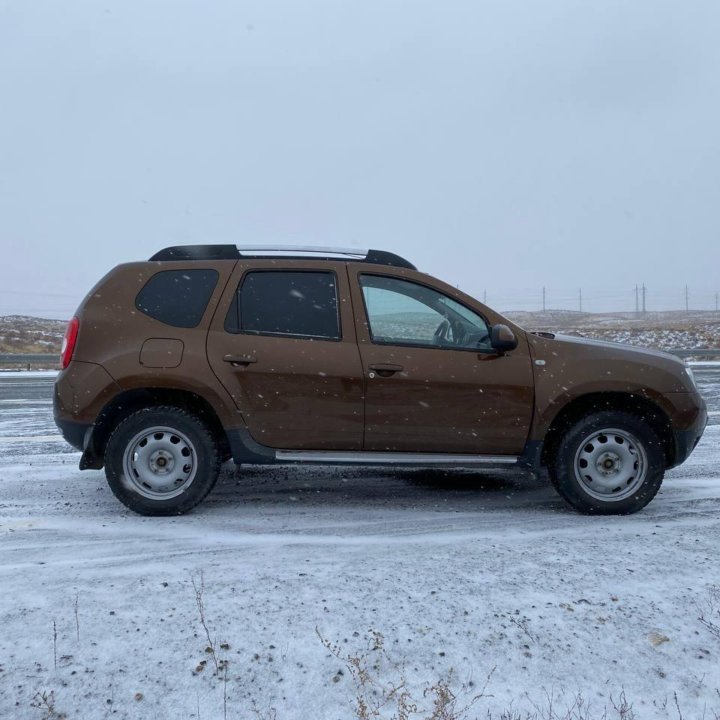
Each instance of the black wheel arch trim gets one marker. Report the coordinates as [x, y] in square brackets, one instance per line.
[247, 451]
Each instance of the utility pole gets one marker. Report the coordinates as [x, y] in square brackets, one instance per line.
[687, 303]
[637, 301]
[580, 298]
[644, 291]
[484, 297]
[717, 297]
[543, 299]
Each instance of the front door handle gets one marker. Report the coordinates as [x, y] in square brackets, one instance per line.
[236, 360]
[386, 369]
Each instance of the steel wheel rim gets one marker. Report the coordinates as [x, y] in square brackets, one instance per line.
[160, 463]
[611, 464]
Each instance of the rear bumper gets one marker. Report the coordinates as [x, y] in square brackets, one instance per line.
[80, 436]
[74, 433]
[81, 391]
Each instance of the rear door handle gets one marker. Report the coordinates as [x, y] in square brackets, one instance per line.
[386, 369]
[239, 359]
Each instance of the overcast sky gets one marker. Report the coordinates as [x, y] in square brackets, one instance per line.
[501, 145]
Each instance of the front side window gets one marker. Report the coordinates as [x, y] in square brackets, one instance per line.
[286, 303]
[401, 312]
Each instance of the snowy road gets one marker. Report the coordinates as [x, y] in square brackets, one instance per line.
[460, 573]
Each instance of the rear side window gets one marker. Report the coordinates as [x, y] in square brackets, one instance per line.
[177, 297]
[286, 303]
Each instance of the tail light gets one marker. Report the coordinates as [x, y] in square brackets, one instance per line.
[68, 344]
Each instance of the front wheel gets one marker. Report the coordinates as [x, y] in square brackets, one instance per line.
[609, 463]
[161, 461]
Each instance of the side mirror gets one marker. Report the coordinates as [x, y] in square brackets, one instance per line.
[502, 338]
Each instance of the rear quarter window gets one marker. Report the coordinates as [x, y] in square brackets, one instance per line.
[177, 297]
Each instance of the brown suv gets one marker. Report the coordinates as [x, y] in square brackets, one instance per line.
[306, 355]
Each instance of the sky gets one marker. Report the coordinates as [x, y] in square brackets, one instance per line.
[502, 146]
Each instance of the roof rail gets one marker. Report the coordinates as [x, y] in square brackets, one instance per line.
[310, 249]
[295, 252]
[197, 252]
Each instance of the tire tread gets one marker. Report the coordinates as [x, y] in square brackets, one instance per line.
[567, 486]
[182, 503]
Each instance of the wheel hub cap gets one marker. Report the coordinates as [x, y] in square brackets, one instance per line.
[611, 464]
[160, 462]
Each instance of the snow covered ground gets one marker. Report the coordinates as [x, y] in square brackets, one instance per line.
[467, 577]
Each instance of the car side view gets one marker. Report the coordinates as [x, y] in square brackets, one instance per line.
[208, 353]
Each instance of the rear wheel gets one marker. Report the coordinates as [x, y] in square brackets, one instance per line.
[609, 463]
[161, 461]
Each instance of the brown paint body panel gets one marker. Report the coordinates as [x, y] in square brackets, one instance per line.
[447, 401]
[575, 367]
[443, 400]
[113, 330]
[83, 390]
[298, 393]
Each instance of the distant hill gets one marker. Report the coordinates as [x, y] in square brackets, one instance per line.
[566, 319]
[661, 330]
[25, 334]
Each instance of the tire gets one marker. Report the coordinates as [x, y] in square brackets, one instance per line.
[609, 463]
[161, 461]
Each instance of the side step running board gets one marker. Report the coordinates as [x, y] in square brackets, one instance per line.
[351, 457]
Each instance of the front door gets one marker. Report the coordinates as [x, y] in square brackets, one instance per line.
[433, 383]
[283, 344]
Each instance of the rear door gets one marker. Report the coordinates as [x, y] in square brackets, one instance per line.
[433, 383]
[283, 344]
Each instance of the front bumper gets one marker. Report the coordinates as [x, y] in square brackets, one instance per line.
[686, 440]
